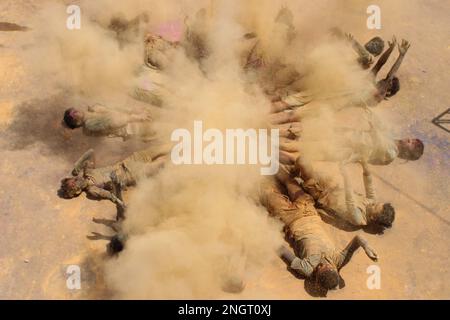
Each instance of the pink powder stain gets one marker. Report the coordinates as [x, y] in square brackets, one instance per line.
[171, 31]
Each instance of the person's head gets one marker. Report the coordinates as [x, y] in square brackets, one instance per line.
[381, 214]
[375, 46]
[393, 88]
[388, 88]
[116, 245]
[73, 118]
[410, 149]
[72, 187]
[327, 275]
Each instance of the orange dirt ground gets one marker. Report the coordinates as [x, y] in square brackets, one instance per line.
[42, 234]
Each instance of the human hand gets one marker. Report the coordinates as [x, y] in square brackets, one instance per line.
[404, 47]
[371, 253]
[392, 43]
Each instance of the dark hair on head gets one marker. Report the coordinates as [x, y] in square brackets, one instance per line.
[67, 184]
[328, 278]
[394, 87]
[375, 46]
[69, 120]
[417, 152]
[411, 154]
[387, 216]
[116, 245]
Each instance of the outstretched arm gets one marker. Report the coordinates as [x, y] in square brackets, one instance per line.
[354, 214]
[98, 108]
[126, 112]
[298, 99]
[284, 117]
[301, 266]
[368, 183]
[83, 162]
[120, 120]
[384, 58]
[365, 59]
[100, 193]
[141, 117]
[354, 245]
[350, 203]
[403, 49]
[279, 106]
[99, 236]
[117, 191]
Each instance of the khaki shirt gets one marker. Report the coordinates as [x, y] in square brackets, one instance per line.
[100, 124]
[334, 200]
[304, 226]
[306, 266]
[374, 147]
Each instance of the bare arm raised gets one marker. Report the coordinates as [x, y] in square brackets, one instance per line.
[368, 183]
[351, 248]
[87, 159]
[403, 49]
[384, 58]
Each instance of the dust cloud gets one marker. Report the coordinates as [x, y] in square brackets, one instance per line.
[194, 229]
